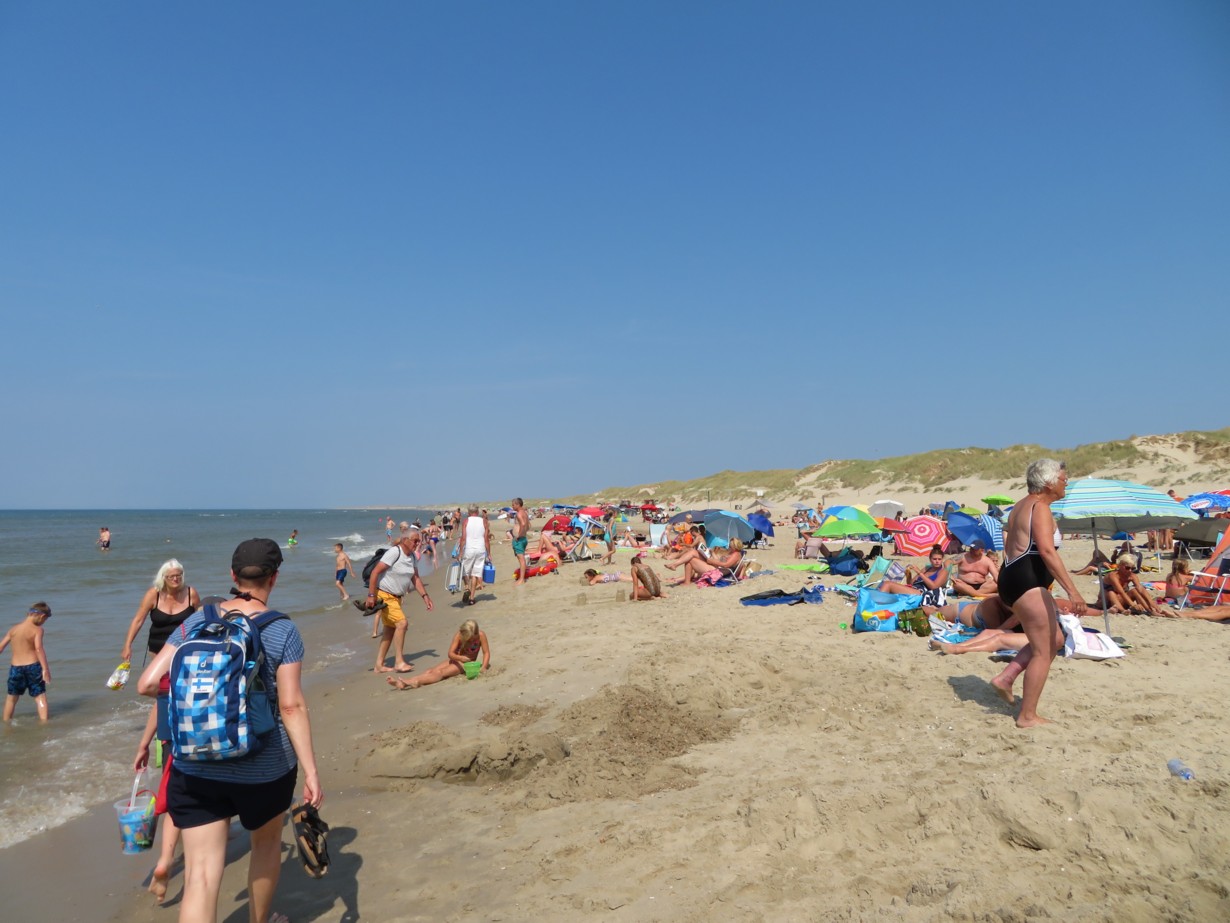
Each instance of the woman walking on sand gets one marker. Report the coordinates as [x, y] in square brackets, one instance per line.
[1033, 565]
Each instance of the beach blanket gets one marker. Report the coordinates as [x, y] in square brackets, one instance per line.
[820, 568]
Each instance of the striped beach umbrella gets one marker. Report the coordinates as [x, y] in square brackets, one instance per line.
[921, 532]
[969, 529]
[995, 528]
[1104, 507]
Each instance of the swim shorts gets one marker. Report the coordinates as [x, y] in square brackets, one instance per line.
[520, 544]
[193, 801]
[27, 678]
[391, 615]
[340, 576]
[472, 563]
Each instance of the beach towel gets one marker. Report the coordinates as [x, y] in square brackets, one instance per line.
[820, 568]
[773, 598]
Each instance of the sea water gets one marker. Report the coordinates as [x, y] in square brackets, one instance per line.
[51, 772]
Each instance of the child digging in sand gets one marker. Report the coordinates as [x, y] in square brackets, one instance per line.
[467, 644]
[29, 671]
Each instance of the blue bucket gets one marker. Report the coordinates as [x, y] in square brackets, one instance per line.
[488, 573]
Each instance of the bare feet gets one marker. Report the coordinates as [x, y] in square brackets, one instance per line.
[1005, 691]
[345, 597]
[400, 683]
[158, 883]
[383, 669]
[403, 667]
[1035, 721]
[942, 646]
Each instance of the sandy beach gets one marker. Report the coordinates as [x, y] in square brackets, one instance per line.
[695, 759]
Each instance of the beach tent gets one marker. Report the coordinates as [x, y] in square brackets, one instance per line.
[1212, 584]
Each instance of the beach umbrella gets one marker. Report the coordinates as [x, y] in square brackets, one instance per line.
[891, 525]
[997, 500]
[798, 506]
[1209, 501]
[563, 506]
[886, 509]
[650, 507]
[728, 525]
[854, 514]
[832, 527]
[590, 511]
[1104, 507]
[980, 528]
[921, 532]
[760, 523]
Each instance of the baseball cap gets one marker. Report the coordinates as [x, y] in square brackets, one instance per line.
[257, 553]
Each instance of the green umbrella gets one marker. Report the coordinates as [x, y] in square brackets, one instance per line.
[969, 511]
[832, 527]
[997, 500]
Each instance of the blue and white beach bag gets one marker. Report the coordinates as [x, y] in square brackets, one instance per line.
[876, 611]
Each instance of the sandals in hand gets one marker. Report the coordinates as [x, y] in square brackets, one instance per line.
[310, 834]
[380, 604]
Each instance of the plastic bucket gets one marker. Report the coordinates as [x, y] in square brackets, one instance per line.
[488, 573]
[472, 668]
[136, 823]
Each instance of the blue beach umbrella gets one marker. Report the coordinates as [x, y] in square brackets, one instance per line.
[760, 523]
[1207, 502]
[969, 529]
[1104, 507]
[698, 517]
[728, 525]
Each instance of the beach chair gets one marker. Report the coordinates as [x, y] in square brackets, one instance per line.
[657, 532]
[1209, 586]
[875, 574]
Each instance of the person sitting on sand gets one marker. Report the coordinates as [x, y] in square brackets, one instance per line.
[991, 640]
[467, 644]
[931, 582]
[697, 565]
[1096, 563]
[1123, 591]
[645, 583]
[1178, 580]
[976, 573]
[597, 578]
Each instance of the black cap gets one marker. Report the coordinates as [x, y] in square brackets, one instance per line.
[257, 553]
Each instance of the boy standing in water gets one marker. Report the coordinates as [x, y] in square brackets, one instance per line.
[344, 566]
[29, 671]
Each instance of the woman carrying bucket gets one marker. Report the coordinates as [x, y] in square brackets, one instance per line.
[467, 644]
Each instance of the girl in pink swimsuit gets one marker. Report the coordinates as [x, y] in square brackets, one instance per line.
[469, 642]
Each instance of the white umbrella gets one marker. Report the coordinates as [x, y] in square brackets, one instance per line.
[886, 509]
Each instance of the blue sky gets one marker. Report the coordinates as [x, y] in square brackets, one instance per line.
[306, 254]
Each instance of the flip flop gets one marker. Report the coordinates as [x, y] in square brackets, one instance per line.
[380, 604]
[310, 834]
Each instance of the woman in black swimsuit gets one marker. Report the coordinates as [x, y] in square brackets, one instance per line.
[167, 603]
[1033, 565]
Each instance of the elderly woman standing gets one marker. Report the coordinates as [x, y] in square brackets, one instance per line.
[167, 603]
[1033, 565]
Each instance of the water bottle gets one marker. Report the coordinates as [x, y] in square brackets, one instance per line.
[1178, 768]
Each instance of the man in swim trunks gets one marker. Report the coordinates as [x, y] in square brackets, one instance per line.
[28, 671]
[976, 573]
[520, 537]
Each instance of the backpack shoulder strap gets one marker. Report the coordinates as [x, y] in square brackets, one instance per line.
[267, 617]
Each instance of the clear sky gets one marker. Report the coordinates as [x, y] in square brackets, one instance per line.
[323, 254]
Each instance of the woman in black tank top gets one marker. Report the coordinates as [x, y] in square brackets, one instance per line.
[167, 603]
[1032, 564]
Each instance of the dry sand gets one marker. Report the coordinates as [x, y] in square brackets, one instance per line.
[695, 759]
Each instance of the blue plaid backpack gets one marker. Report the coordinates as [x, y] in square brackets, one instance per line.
[219, 707]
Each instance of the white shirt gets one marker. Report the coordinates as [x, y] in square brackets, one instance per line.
[399, 578]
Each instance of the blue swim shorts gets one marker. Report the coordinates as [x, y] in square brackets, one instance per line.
[27, 678]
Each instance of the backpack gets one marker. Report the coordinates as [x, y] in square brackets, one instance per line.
[371, 564]
[219, 708]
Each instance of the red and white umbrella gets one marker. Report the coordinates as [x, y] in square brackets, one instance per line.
[921, 532]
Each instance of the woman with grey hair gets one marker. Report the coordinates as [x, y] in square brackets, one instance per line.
[167, 603]
[1033, 565]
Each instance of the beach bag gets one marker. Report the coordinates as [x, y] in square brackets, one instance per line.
[219, 708]
[844, 563]
[876, 611]
[1081, 643]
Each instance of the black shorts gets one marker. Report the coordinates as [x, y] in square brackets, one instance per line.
[194, 802]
